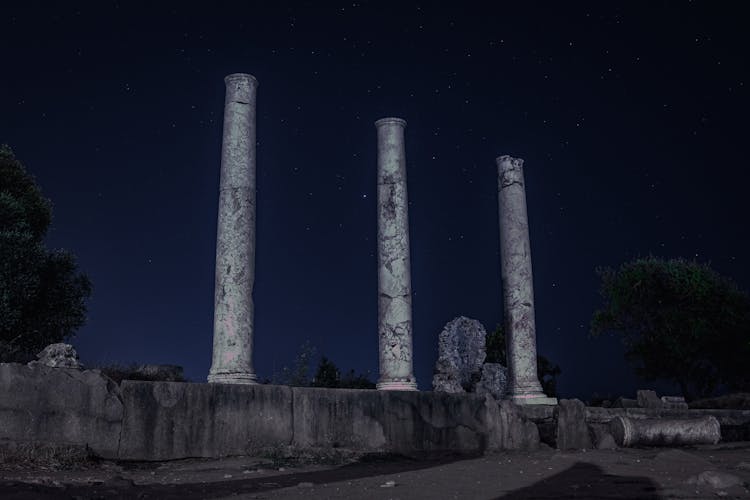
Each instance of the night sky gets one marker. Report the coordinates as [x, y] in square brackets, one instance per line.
[631, 118]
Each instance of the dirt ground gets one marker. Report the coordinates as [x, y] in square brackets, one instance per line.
[721, 471]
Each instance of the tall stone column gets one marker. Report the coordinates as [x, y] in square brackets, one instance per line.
[394, 269]
[518, 286]
[235, 240]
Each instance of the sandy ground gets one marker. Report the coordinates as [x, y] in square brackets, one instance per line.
[721, 471]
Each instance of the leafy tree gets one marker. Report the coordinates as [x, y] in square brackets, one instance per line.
[299, 374]
[680, 321]
[545, 370]
[42, 296]
[328, 375]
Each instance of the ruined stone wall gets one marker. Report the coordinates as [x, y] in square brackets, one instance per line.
[173, 420]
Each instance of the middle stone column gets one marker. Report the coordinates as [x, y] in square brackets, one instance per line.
[518, 285]
[394, 269]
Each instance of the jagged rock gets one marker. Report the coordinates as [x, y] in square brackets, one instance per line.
[461, 352]
[443, 382]
[58, 356]
[493, 380]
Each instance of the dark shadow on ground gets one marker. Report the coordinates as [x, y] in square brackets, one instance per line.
[587, 481]
[370, 465]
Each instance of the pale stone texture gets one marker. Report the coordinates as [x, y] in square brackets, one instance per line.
[461, 352]
[394, 273]
[518, 288]
[58, 356]
[235, 241]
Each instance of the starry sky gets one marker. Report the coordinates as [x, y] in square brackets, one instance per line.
[631, 118]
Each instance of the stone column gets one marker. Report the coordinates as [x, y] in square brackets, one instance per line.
[235, 240]
[394, 269]
[518, 287]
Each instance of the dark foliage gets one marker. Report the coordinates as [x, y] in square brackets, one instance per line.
[546, 371]
[680, 321]
[120, 372]
[328, 375]
[42, 295]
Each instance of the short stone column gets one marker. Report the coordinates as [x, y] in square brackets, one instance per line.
[518, 287]
[394, 269]
[235, 240]
[665, 431]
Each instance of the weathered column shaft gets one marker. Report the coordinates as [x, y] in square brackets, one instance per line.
[235, 240]
[518, 287]
[665, 431]
[394, 270]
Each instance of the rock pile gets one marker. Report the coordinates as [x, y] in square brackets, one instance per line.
[58, 356]
[460, 365]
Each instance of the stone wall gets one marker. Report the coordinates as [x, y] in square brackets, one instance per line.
[60, 405]
[172, 420]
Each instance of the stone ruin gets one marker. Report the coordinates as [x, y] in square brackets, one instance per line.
[235, 266]
[460, 366]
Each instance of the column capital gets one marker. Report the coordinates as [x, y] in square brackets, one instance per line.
[505, 159]
[390, 121]
[241, 77]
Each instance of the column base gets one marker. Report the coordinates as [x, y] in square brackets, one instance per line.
[531, 399]
[394, 385]
[232, 378]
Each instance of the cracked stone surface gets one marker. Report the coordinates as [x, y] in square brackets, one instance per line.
[461, 352]
[235, 240]
[394, 273]
[517, 282]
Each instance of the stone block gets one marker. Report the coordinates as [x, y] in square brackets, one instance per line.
[572, 431]
[513, 430]
[625, 403]
[63, 406]
[173, 420]
[648, 399]
[407, 422]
